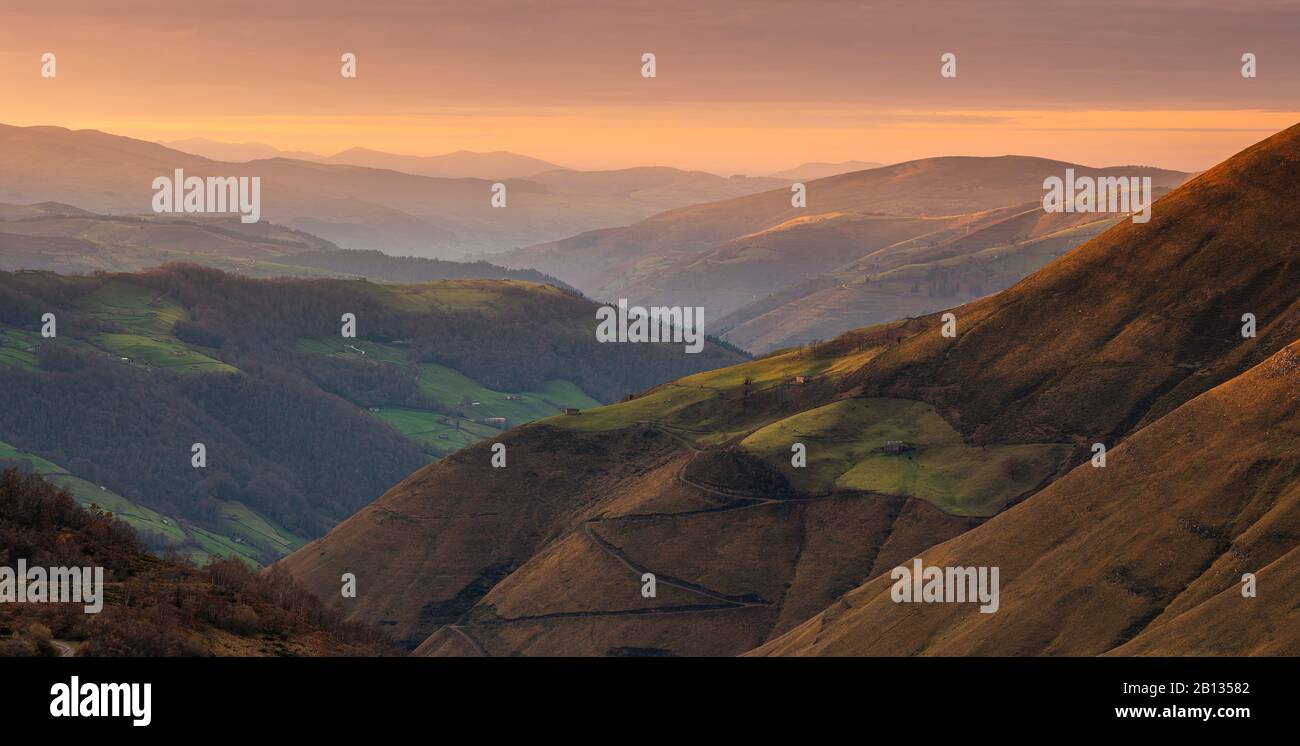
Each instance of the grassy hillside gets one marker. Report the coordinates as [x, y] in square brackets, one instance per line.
[146, 365]
[912, 278]
[1160, 540]
[845, 441]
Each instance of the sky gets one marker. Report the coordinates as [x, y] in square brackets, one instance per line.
[741, 87]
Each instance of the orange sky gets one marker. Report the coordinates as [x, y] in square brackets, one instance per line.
[743, 87]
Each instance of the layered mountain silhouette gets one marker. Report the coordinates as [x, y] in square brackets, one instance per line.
[970, 449]
[62, 238]
[981, 254]
[356, 207]
[820, 169]
[462, 164]
[751, 255]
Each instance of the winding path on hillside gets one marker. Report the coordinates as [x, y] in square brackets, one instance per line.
[456, 628]
[720, 602]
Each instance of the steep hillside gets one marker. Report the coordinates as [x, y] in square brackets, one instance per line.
[1126, 327]
[694, 483]
[152, 606]
[301, 425]
[990, 252]
[1144, 556]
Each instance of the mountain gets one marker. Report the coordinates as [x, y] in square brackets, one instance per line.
[653, 185]
[1121, 341]
[301, 425]
[237, 152]
[973, 256]
[462, 164]
[820, 169]
[153, 606]
[66, 239]
[1160, 540]
[730, 254]
[353, 206]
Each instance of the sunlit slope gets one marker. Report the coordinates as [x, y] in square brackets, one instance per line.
[844, 443]
[1129, 325]
[912, 278]
[1145, 555]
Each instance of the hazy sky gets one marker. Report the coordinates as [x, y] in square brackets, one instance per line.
[742, 87]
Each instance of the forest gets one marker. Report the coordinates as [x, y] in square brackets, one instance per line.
[286, 431]
[154, 606]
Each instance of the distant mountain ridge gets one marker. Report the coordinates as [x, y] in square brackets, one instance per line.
[821, 169]
[69, 240]
[353, 206]
[729, 255]
[498, 164]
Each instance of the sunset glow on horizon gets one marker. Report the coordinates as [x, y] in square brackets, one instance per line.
[740, 88]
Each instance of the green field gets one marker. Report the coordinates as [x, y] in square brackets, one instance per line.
[14, 346]
[480, 296]
[704, 408]
[450, 388]
[360, 349]
[437, 434]
[844, 441]
[254, 532]
[171, 354]
[451, 391]
[244, 533]
[18, 347]
[139, 517]
[148, 319]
